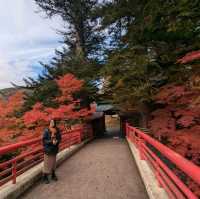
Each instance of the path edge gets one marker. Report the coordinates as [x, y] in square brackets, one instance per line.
[147, 175]
[27, 179]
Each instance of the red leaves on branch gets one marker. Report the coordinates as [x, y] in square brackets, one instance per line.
[189, 57]
[12, 128]
[68, 85]
[170, 93]
[36, 114]
[185, 121]
[162, 122]
[178, 121]
[62, 112]
[13, 103]
[9, 124]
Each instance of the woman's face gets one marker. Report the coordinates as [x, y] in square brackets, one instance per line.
[52, 124]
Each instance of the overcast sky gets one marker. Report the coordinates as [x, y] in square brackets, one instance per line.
[26, 37]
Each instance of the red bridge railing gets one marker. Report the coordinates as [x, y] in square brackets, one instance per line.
[26, 154]
[165, 162]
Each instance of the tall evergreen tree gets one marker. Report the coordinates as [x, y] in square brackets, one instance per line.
[154, 34]
[80, 35]
[79, 56]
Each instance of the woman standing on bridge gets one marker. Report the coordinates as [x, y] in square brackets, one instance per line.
[51, 140]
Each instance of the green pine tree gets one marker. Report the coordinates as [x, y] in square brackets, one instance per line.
[80, 55]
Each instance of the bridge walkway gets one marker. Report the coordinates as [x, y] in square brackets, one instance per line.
[103, 169]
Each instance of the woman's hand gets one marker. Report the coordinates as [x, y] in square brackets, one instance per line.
[55, 141]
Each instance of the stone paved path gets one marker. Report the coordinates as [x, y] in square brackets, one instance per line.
[103, 169]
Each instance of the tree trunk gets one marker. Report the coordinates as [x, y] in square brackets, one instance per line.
[144, 111]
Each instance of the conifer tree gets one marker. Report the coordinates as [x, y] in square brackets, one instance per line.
[80, 35]
[79, 56]
[153, 35]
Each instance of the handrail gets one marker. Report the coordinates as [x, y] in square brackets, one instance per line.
[140, 139]
[185, 165]
[12, 147]
[10, 169]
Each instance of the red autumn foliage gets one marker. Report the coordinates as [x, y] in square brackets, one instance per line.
[169, 93]
[9, 124]
[162, 122]
[191, 56]
[178, 122]
[68, 85]
[186, 121]
[13, 103]
[36, 114]
[13, 129]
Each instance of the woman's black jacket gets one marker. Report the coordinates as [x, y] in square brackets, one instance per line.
[49, 147]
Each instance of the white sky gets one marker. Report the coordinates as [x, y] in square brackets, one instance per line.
[26, 37]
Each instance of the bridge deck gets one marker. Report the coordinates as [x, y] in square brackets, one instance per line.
[104, 169]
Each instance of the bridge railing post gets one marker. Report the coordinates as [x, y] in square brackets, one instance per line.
[141, 142]
[14, 171]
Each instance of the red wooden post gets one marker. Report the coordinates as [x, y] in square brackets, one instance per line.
[136, 139]
[14, 171]
[140, 144]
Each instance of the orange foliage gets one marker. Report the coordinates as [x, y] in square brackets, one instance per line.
[9, 124]
[13, 129]
[13, 103]
[68, 85]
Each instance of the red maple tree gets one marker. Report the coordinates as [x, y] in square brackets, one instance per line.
[68, 106]
[13, 103]
[176, 124]
[178, 120]
[13, 128]
[9, 124]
